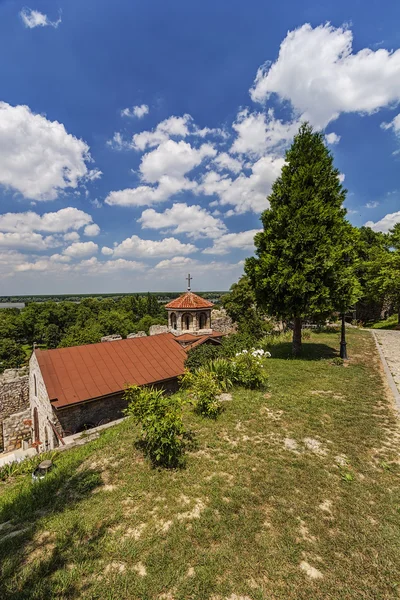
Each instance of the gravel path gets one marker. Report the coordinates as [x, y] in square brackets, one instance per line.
[389, 342]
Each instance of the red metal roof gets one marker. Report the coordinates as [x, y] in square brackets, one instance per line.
[80, 373]
[189, 300]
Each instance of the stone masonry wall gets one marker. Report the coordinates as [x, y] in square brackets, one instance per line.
[16, 430]
[14, 399]
[39, 399]
[221, 322]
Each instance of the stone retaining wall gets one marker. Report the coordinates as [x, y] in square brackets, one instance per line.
[14, 400]
[17, 428]
[221, 322]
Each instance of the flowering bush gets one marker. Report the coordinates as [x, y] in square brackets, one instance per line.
[251, 368]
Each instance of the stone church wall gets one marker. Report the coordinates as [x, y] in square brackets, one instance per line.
[46, 414]
[14, 400]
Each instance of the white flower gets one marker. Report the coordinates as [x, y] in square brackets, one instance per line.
[268, 354]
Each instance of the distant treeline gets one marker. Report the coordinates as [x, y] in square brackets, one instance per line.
[74, 320]
[161, 296]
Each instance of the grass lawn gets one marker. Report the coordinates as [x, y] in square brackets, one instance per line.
[389, 323]
[290, 495]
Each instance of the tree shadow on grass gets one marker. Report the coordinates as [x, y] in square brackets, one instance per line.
[22, 576]
[310, 351]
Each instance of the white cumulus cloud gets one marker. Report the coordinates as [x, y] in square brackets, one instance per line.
[27, 241]
[80, 249]
[243, 240]
[173, 159]
[33, 18]
[386, 223]
[146, 195]
[73, 236]
[38, 158]
[52, 222]
[177, 262]
[258, 133]
[332, 138]
[394, 124]
[137, 111]
[317, 71]
[194, 221]
[246, 192]
[91, 230]
[171, 127]
[138, 247]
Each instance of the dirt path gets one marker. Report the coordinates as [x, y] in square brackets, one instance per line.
[389, 343]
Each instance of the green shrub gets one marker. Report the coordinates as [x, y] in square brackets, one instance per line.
[200, 356]
[232, 344]
[224, 371]
[160, 418]
[203, 388]
[251, 369]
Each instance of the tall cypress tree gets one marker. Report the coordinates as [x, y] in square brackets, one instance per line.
[303, 265]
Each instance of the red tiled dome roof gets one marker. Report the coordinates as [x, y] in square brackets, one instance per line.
[189, 300]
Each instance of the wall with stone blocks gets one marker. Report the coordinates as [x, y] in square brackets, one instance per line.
[16, 430]
[221, 322]
[14, 398]
[39, 399]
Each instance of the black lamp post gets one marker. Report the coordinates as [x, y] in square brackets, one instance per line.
[343, 345]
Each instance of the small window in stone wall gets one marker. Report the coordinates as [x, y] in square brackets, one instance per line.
[35, 384]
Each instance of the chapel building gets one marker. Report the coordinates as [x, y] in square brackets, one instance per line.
[81, 387]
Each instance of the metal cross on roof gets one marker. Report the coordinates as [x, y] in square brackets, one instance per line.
[189, 279]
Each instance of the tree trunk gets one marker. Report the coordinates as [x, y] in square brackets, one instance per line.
[296, 345]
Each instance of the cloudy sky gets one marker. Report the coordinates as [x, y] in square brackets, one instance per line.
[139, 139]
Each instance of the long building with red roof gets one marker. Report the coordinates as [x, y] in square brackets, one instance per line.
[76, 388]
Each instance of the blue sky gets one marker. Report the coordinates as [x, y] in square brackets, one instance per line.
[139, 140]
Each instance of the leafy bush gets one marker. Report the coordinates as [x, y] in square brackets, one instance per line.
[251, 369]
[163, 432]
[224, 371]
[203, 387]
[233, 344]
[200, 356]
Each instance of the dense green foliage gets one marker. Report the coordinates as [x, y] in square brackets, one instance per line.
[304, 263]
[203, 388]
[162, 430]
[241, 306]
[11, 354]
[62, 324]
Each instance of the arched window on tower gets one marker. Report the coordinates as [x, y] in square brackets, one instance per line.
[173, 320]
[187, 321]
[203, 320]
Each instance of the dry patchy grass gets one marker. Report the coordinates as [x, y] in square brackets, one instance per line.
[290, 495]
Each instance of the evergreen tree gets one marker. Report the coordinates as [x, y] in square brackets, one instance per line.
[304, 263]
